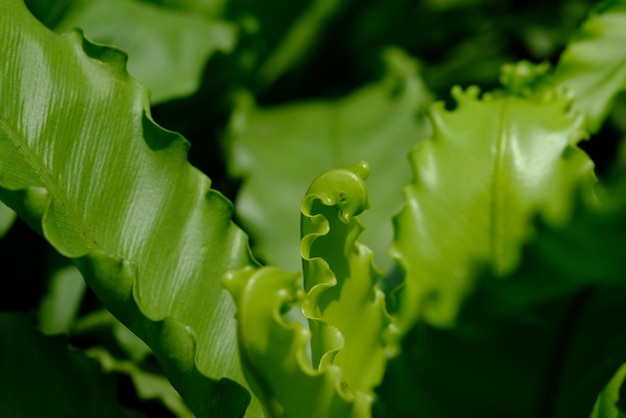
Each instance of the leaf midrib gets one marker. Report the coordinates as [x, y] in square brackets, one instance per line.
[497, 199]
[47, 179]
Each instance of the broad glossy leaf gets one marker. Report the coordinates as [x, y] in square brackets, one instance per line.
[168, 48]
[592, 66]
[491, 164]
[83, 163]
[42, 377]
[350, 334]
[280, 150]
[543, 342]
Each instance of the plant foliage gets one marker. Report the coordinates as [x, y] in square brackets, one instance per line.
[507, 294]
[110, 189]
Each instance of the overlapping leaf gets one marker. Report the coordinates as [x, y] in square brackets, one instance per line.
[541, 342]
[351, 335]
[82, 162]
[593, 65]
[491, 164]
[168, 48]
[280, 150]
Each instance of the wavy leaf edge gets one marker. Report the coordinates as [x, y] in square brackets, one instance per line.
[343, 194]
[40, 203]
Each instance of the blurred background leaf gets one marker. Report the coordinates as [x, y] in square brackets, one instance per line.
[7, 217]
[279, 150]
[167, 47]
[42, 377]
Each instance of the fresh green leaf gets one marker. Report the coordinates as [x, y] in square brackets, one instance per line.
[82, 162]
[340, 280]
[592, 67]
[274, 351]
[351, 336]
[41, 377]
[491, 164]
[541, 342]
[379, 123]
[168, 48]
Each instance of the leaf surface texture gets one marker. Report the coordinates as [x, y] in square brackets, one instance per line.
[492, 163]
[83, 163]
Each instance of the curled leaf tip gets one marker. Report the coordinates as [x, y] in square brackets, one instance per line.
[343, 188]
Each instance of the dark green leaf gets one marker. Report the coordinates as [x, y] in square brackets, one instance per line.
[41, 377]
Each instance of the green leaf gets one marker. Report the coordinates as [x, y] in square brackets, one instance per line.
[7, 217]
[121, 351]
[379, 123]
[59, 308]
[41, 377]
[168, 48]
[606, 404]
[491, 164]
[148, 385]
[83, 163]
[206, 7]
[350, 333]
[340, 280]
[274, 351]
[593, 65]
[541, 342]
[298, 40]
